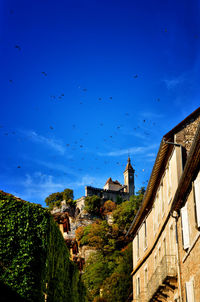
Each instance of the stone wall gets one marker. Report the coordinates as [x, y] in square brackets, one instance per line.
[186, 135]
[106, 194]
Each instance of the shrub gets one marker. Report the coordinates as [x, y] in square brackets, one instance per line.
[33, 256]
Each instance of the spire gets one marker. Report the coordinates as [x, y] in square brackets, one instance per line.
[129, 166]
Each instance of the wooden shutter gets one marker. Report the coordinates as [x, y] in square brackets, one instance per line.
[197, 200]
[189, 291]
[185, 227]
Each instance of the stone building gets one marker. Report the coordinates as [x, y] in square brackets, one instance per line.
[165, 231]
[112, 190]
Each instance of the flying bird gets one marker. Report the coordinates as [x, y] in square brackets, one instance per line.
[44, 73]
[84, 89]
[100, 99]
[135, 76]
[51, 127]
[11, 81]
[18, 47]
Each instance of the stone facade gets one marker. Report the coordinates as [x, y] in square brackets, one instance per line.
[190, 257]
[112, 190]
[166, 266]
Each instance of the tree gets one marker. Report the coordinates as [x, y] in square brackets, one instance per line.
[92, 204]
[118, 286]
[95, 272]
[68, 195]
[108, 207]
[54, 199]
[126, 211]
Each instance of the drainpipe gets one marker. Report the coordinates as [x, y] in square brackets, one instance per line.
[175, 216]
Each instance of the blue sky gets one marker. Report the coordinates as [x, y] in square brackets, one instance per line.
[84, 83]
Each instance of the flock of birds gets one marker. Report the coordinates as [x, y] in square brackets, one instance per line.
[79, 143]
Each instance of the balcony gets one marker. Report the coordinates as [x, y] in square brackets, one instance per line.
[163, 280]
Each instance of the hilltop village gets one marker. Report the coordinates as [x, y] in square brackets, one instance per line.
[69, 220]
[112, 244]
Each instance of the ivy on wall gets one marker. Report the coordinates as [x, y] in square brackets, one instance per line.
[33, 256]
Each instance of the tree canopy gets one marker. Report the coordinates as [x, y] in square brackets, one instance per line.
[93, 204]
[107, 273]
[126, 211]
[55, 199]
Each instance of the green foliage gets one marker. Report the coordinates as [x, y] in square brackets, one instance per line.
[54, 199]
[119, 281]
[119, 200]
[108, 207]
[111, 274]
[33, 254]
[92, 204]
[95, 272]
[68, 195]
[126, 211]
[98, 235]
[109, 270]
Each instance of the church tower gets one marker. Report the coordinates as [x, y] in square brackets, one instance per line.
[129, 178]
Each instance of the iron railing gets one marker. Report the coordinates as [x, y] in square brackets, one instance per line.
[166, 269]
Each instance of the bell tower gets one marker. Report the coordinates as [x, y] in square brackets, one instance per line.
[129, 178]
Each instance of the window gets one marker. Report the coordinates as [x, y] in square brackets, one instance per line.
[155, 261]
[138, 286]
[145, 234]
[159, 253]
[189, 288]
[197, 200]
[158, 207]
[154, 218]
[172, 240]
[138, 246]
[164, 247]
[162, 199]
[145, 277]
[169, 183]
[185, 227]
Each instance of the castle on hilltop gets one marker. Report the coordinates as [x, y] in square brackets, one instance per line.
[112, 190]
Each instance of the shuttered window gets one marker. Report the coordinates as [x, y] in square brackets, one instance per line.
[185, 227]
[189, 287]
[197, 200]
[138, 286]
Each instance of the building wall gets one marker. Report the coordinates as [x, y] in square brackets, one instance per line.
[186, 135]
[190, 257]
[160, 242]
[112, 186]
[106, 194]
[80, 203]
[160, 238]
